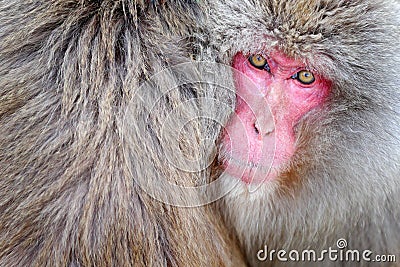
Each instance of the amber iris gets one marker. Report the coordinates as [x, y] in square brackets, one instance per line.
[259, 62]
[304, 77]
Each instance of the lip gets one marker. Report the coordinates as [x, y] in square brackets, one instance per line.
[249, 172]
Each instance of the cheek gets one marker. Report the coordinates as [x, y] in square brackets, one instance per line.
[249, 81]
[300, 100]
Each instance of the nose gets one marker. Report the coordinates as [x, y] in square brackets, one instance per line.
[264, 124]
[256, 115]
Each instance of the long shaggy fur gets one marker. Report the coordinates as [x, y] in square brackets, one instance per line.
[344, 181]
[76, 136]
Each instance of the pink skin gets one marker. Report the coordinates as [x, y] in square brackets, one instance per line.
[259, 139]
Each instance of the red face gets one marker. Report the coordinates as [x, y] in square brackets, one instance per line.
[273, 93]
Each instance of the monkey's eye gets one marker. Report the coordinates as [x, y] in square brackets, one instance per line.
[259, 62]
[305, 77]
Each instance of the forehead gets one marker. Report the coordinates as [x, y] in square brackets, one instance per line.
[315, 32]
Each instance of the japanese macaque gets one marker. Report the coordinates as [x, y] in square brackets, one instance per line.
[78, 133]
[311, 154]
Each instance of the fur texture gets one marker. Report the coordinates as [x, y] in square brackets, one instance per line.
[344, 181]
[77, 135]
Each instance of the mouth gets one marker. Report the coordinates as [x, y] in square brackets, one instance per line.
[248, 171]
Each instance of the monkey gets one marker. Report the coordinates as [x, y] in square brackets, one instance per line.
[80, 136]
[310, 157]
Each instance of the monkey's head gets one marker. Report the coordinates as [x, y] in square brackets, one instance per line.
[317, 108]
[302, 70]
[286, 70]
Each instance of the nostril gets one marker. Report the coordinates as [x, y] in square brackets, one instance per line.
[256, 128]
[261, 131]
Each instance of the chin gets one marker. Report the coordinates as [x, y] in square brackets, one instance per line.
[246, 208]
[253, 174]
[239, 187]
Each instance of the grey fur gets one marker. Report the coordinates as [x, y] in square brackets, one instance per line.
[75, 139]
[344, 181]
